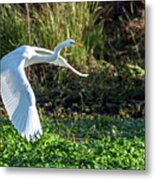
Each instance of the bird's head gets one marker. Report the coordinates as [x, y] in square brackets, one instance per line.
[71, 42]
[66, 43]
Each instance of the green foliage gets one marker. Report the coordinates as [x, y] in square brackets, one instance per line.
[112, 34]
[76, 133]
[136, 71]
[77, 141]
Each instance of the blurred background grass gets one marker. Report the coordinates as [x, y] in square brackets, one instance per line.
[112, 34]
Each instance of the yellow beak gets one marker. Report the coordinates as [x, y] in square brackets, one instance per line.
[77, 44]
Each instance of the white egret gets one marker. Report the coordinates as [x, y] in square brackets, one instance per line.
[16, 92]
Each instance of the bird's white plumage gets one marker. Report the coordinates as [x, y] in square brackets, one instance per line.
[60, 61]
[19, 99]
[64, 63]
[16, 91]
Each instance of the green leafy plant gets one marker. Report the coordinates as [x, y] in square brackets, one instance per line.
[77, 141]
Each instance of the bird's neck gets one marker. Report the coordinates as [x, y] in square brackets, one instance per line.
[58, 49]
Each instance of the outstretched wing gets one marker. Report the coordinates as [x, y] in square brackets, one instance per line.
[19, 99]
[43, 51]
[60, 61]
[64, 63]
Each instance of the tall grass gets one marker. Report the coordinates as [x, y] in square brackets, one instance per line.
[47, 24]
[114, 86]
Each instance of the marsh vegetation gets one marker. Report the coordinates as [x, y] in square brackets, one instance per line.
[96, 122]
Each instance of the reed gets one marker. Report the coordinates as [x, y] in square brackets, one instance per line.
[47, 24]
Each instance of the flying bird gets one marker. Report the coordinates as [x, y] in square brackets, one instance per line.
[16, 91]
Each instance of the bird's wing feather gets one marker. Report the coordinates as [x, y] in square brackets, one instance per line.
[19, 99]
[60, 61]
[42, 50]
[64, 63]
